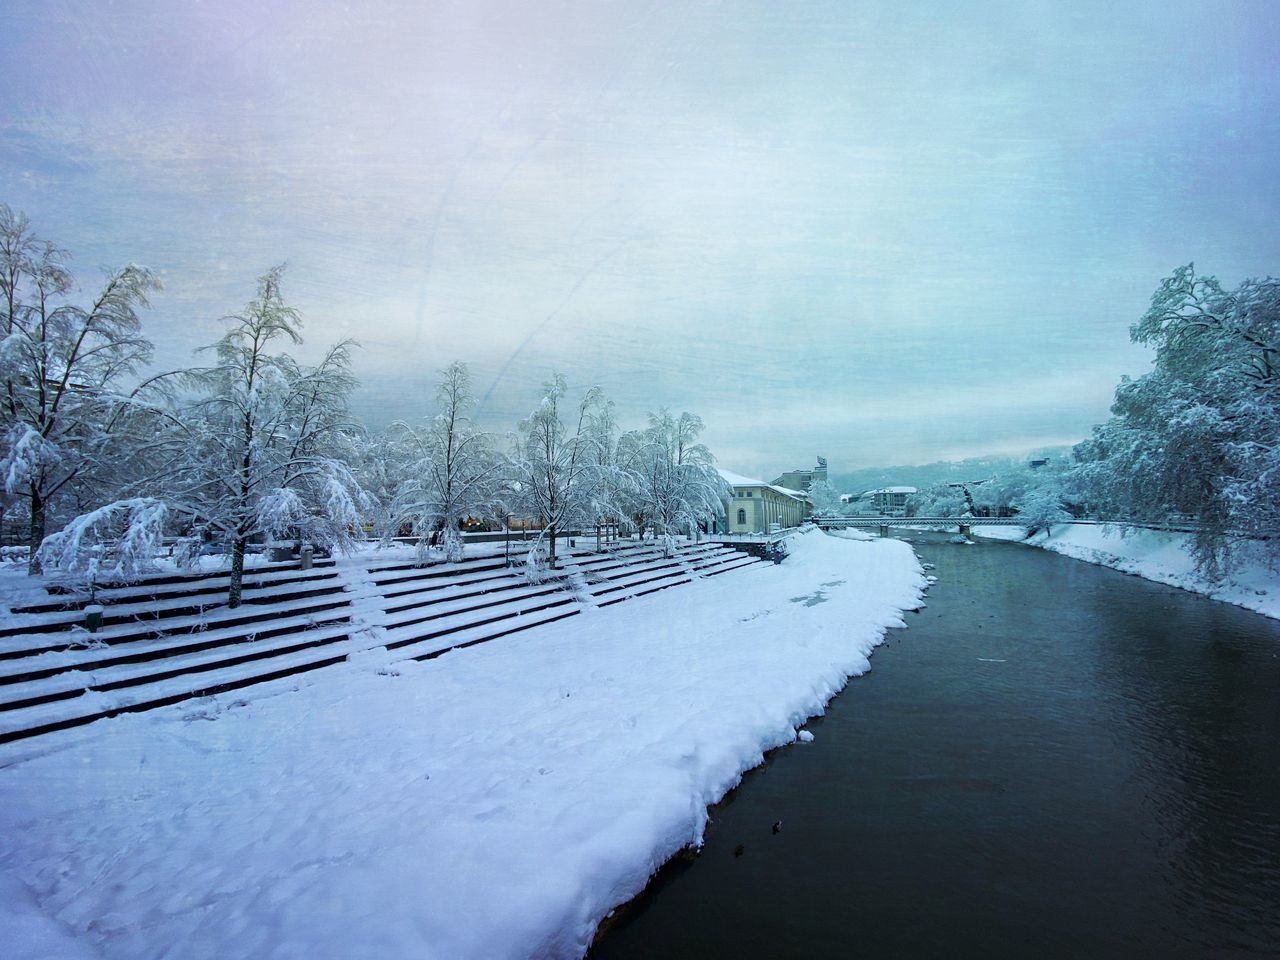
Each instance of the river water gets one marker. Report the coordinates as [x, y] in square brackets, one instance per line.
[1054, 760]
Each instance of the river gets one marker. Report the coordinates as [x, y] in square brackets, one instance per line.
[1054, 760]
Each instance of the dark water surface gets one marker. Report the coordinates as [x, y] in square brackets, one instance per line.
[1055, 760]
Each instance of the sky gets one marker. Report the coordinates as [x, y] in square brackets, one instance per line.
[879, 232]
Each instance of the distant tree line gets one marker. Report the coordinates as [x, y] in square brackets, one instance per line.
[251, 445]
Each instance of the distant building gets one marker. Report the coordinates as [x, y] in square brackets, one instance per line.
[756, 504]
[886, 501]
[803, 479]
[1037, 464]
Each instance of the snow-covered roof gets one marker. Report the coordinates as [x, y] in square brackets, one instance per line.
[872, 493]
[787, 491]
[738, 480]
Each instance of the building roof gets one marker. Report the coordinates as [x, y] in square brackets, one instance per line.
[872, 493]
[798, 494]
[738, 480]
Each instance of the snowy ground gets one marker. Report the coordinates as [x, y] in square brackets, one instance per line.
[496, 802]
[1156, 555]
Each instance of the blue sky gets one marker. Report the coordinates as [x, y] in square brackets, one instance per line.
[882, 232]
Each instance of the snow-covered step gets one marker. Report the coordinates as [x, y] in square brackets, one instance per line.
[618, 594]
[601, 563]
[730, 564]
[596, 578]
[410, 643]
[195, 586]
[253, 570]
[681, 568]
[407, 585]
[62, 714]
[384, 572]
[27, 644]
[175, 607]
[639, 587]
[422, 613]
[148, 650]
[72, 683]
[650, 577]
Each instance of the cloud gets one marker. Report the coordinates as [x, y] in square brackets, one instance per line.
[873, 229]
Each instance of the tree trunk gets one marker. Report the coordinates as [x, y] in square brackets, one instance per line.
[552, 531]
[35, 535]
[237, 572]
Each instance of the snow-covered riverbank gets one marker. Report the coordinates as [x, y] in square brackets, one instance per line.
[496, 802]
[1158, 555]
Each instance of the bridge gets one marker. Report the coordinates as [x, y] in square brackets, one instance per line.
[963, 523]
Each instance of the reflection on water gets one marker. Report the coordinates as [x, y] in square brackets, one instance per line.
[1054, 760]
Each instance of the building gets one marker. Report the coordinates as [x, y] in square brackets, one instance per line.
[756, 505]
[886, 501]
[802, 480]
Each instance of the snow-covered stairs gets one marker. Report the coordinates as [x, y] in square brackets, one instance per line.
[639, 573]
[157, 646]
[170, 639]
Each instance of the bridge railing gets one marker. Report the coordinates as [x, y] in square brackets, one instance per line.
[837, 522]
[1181, 526]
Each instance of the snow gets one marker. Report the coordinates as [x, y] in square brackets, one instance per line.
[851, 533]
[788, 492]
[1159, 555]
[738, 480]
[495, 802]
[999, 533]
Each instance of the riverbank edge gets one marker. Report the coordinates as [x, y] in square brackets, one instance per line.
[688, 855]
[1162, 556]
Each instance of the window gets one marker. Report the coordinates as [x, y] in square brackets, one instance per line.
[750, 494]
[742, 517]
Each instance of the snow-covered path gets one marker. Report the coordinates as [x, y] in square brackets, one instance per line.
[496, 802]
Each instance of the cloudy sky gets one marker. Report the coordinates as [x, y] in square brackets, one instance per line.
[885, 232]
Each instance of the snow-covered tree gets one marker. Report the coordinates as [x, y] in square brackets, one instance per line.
[825, 499]
[257, 443]
[678, 482]
[552, 476]
[380, 462]
[1040, 507]
[110, 543]
[1197, 436]
[614, 485]
[69, 409]
[940, 500]
[451, 472]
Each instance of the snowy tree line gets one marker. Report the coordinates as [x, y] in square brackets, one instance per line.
[1198, 436]
[1195, 440]
[250, 445]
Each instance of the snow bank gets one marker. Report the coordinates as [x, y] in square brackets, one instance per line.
[1159, 555]
[850, 533]
[496, 802]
